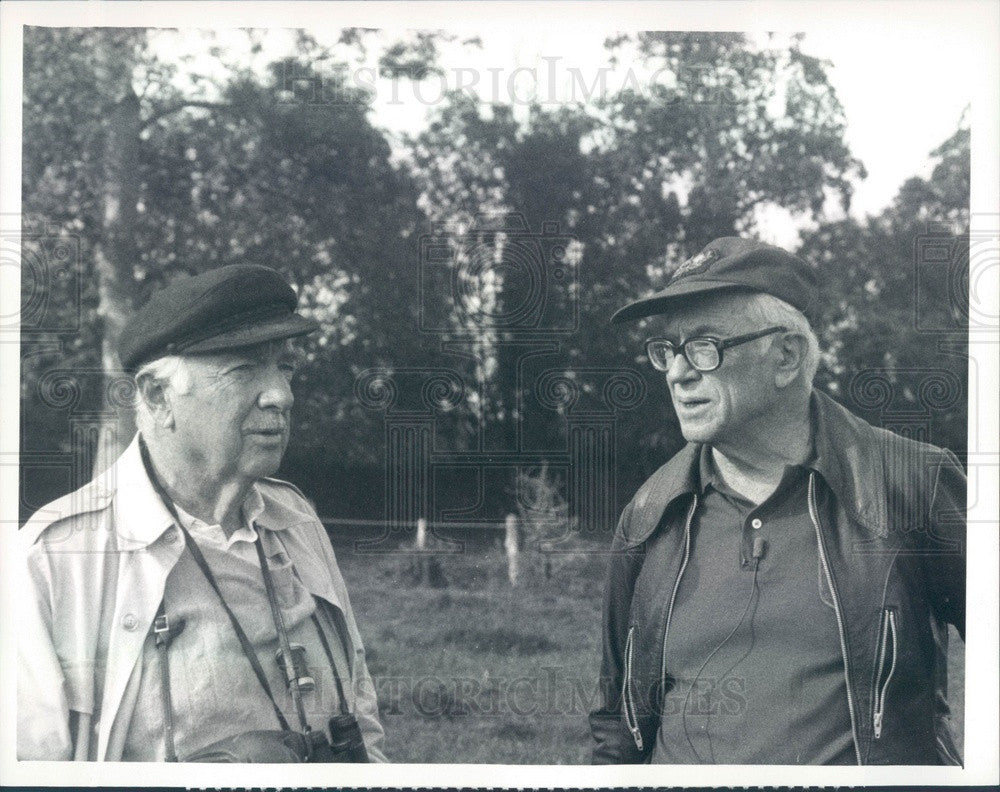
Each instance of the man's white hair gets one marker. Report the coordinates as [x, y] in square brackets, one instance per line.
[171, 371]
[766, 310]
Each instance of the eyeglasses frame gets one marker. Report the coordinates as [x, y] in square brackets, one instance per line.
[719, 343]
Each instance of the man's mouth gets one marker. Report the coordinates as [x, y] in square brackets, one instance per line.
[271, 431]
[691, 403]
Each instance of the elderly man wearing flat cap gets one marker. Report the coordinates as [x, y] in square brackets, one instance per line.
[183, 606]
[779, 591]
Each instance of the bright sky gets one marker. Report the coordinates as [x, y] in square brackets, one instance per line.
[903, 94]
[903, 97]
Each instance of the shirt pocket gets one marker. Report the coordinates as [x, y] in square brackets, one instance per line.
[283, 577]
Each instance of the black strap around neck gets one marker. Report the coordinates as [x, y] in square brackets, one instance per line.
[162, 636]
[279, 625]
[245, 643]
[199, 559]
[344, 709]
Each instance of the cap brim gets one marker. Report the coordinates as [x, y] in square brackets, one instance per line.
[663, 301]
[283, 327]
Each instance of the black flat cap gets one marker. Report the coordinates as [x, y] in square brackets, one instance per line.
[225, 308]
[732, 264]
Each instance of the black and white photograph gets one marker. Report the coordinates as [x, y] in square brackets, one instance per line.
[499, 394]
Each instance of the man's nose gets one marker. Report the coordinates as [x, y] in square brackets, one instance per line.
[276, 391]
[680, 370]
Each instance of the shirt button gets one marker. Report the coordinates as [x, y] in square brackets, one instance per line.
[130, 621]
[171, 535]
[755, 523]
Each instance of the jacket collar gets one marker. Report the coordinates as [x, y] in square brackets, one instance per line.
[847, 454]
[675, 479]
[140, 516]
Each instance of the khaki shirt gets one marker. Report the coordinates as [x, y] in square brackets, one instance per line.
[94, 565]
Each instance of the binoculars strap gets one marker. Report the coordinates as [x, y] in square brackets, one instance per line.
[291, 675]
[163, 633]
[248, 649]
[344, 709]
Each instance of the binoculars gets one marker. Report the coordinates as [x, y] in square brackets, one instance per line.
[345, 744]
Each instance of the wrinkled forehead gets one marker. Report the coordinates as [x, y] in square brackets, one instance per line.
[720, 314]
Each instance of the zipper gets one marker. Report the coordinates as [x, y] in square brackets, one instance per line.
[673, 594]
[632, 720]
[814, 515]
[628, 704]
[888, 633]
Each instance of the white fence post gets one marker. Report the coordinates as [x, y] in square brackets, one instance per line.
[421, 545]
[510, 545]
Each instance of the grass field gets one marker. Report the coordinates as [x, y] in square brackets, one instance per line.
[478, 672]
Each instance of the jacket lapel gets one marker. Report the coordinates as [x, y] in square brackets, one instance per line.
[143, 565]
[849, 455]
[676, 478]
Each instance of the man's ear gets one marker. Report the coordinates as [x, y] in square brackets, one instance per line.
[791, 349]
[153, 393]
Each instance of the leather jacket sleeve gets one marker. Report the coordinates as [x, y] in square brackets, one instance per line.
[613, 743]
[945, 569]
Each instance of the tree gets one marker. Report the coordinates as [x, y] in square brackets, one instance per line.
[894, 333]
[638, 179]
[81, 151]
[150, 182]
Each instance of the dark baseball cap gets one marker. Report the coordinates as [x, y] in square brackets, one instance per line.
[732, 264]
[225, 308]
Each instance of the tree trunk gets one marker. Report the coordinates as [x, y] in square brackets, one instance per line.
[116, 252]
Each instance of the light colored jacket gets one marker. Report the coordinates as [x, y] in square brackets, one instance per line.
[94, 566]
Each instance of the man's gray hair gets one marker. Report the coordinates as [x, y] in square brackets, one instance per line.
[171, 370]
[766, 309]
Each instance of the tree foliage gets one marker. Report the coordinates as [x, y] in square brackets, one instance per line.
[595, 200]
[897, 301]
[640, 178]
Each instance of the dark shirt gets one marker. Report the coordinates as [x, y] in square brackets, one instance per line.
[754, 668]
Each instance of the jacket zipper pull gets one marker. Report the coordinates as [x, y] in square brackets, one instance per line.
[637, 736]
[878, 725]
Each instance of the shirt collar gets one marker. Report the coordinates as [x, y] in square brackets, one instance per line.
[708, 474]
[252, 508]
[142, 517]
[706, 470]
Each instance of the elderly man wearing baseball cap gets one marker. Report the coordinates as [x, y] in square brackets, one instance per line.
[779, 591]
[183, 605]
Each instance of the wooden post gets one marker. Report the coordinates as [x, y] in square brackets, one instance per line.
[421, 545]
[510, 545]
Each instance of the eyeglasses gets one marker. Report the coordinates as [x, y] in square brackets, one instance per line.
[704, 353]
